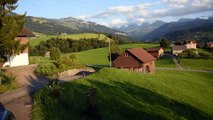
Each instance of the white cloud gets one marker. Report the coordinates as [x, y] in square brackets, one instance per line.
[140, 20]
[118, 22]
[124, 9]
[147, 11]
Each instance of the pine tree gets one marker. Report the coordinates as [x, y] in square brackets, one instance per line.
[10, 25]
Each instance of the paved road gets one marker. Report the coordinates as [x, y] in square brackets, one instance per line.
[190, 70]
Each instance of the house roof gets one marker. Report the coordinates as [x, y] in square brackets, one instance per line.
[179, 47]
[141, 54]
[153, 49]
[190, 41]
[23, 40]
[25, 33]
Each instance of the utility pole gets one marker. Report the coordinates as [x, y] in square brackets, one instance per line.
[110, 59]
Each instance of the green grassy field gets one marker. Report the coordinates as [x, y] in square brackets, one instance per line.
[165, 63]
[94, 56]
[123, 95]
[202, 64]
[37, 40]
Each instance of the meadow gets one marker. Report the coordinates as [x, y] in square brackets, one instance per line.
[124, 95]
[199, 64]
[35, 41]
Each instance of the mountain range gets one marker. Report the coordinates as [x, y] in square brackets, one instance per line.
[177, 30]
[66, 25]
[138, 31]
[181, 29]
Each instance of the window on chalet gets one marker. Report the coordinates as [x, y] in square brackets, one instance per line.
[126, 55]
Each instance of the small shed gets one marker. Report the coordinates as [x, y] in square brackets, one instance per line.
[135, 59]
[156, 52]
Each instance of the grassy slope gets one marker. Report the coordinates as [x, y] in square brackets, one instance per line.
[99, 56]
[123, 95]
[205, 64]
[37, 40]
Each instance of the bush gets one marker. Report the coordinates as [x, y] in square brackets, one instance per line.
[55, 53]
[48, 70]
[189, 53]
[6, 79]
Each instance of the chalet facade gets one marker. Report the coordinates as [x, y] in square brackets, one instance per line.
[156, 52]
[22, 58]
[191, 44]
[177, 49]
[136, 59]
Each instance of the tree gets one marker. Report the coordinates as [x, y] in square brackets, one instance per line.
[115, 51]
[10, 26]
[55, 53]
[164, 43]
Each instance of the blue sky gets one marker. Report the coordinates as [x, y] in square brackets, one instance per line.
[117, 12]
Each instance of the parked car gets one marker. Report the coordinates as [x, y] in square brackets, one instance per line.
[6, 114]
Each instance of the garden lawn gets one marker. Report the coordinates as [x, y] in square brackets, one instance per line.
[124, 95]
[201, 64]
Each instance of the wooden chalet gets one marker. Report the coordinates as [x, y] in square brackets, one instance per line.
[136, 59]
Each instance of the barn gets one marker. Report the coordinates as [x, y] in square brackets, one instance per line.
[135, 59]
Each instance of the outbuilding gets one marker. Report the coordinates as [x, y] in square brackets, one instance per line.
[135, 59]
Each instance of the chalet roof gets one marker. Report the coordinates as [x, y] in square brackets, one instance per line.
[141, 54]
[23, 41]
[190, 41]
[25, 33]
[179, 47]
[153, 49]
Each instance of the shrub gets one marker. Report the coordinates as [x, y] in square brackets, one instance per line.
[55, 53]
[48, 70]
[6, 79]
[189, 53]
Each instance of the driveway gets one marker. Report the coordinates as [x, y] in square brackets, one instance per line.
[19, 101]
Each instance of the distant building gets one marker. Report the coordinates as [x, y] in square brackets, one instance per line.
[120, 33]
[191, 44]
[208, 45]
[177, 49]
[136, 59]
[22, 58]
[156, 52]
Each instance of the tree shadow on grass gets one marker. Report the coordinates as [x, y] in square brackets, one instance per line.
[127, 101]
[119, 101]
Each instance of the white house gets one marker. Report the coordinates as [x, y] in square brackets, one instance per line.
[22, 58]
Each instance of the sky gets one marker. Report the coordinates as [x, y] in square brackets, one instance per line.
[114, 13]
